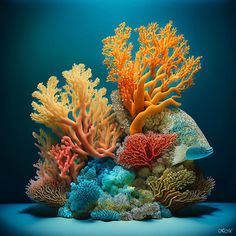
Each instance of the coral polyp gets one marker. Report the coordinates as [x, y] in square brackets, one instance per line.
[133, 159]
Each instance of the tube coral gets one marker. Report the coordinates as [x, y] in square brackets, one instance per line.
[141, 149]
[79, 111]
[157, 75]
[179, 187]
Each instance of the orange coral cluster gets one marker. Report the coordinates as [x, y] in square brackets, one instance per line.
[157, 75]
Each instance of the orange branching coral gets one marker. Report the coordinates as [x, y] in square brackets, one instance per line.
[157, 75]
[79, 111]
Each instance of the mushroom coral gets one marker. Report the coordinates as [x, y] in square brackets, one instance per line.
[159, 72]
[79, 111]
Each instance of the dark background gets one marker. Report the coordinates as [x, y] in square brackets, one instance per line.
[43, 38]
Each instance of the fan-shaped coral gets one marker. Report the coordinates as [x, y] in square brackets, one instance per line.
[179, 187]
[141, 149]
[48, 191]
[79, 111]
[157, 75]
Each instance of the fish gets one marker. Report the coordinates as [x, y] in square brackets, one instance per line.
[191, 143]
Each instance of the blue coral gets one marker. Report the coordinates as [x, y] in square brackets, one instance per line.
[81, 199]
[65, 212]
[165, 212]
[117, 180]
[105, 215]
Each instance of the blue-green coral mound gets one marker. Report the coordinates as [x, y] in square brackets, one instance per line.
[104, 191]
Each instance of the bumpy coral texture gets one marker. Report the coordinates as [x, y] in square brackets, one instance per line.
[141, 149]
[157, 75]
[81, 199]
[79, 111]
[105, 215]
[179, 187]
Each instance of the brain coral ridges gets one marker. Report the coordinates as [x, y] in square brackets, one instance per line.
[133, 159]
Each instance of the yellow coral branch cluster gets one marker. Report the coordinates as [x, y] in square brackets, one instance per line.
[159, 72]
[79, 111]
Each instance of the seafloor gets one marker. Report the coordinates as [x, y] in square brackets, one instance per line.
[203, 219]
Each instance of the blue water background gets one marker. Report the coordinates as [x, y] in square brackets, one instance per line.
[43, 38]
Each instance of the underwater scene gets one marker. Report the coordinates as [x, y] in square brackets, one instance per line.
[130, 156]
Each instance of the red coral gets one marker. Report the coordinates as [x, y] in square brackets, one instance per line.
[69, 158]
[141, 149]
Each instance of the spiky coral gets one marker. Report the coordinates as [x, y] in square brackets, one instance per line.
[141, 149]
[179, 187]
[68, 160]
[79, 111]
[157, 75]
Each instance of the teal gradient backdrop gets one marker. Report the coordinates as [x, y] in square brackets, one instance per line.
[43, 38]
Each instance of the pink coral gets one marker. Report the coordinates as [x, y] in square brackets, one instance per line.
[69, 158]
[141, 149]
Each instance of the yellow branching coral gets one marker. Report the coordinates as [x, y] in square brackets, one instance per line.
[79, 111]
[159, 72]
[179, 187]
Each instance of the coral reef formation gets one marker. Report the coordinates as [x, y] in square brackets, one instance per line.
[178, 187]
[157, 75]
[133, 159]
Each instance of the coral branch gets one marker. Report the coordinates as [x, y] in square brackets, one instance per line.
[79, 111]
[157, 75]
[70, 158]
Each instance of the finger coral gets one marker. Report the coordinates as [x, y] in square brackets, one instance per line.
[157, 75]
[179, 187]
[79, 111]
[141, 149]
